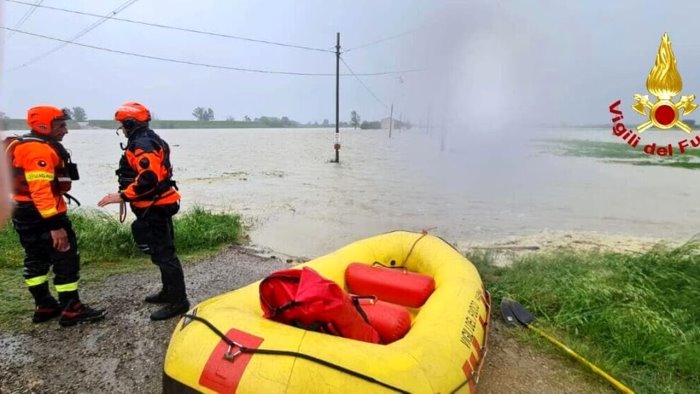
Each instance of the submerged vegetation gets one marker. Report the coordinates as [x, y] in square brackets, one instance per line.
[106, 248]
[620, 152]
[633, 315]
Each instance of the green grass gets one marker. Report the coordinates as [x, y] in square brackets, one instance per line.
[634, 315]
[106, 248]
[620, 152]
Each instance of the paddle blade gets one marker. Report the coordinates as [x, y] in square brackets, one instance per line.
[507, 313]
[514, 313]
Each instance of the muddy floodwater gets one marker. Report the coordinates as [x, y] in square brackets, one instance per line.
[475, 187]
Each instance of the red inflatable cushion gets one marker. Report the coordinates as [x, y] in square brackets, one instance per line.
[306, 299]
[391, 321]
[393, 285]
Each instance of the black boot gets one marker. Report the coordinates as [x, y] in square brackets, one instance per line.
[46, 306]
[174, 283]
[172, 309]
[76, 312]
[46, 310]
[160, 297]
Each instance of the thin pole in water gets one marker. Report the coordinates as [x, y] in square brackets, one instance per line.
[391, 119]
[427, 124]
[337, 99]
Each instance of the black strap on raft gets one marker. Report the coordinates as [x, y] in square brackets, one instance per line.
[243, 349]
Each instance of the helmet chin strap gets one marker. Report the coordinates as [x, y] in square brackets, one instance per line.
[126, 132]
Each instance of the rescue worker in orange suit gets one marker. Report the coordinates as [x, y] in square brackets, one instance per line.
[145, 181]
[42, 176]
[5, 202]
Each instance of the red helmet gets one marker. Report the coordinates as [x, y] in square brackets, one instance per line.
[132, 110]
[39, 118]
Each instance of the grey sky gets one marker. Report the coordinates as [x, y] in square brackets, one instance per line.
[485, 62]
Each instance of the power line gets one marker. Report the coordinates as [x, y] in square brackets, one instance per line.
[183, 29]
[377, 41]
[117, 10]
[363, 84]
[162, 58]
[27, 15]
[165, 59]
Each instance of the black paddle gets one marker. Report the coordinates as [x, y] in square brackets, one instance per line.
[515, 314]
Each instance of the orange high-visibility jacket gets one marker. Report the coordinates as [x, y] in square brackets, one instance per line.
[40, 175]
[145, 172]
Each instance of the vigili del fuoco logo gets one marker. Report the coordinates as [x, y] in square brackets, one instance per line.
[663, 113]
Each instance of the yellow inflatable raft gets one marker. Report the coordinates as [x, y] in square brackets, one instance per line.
[225, 345]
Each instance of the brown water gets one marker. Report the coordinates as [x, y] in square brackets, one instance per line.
[487, 187]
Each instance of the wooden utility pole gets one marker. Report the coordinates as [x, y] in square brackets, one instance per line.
[391, 119]
[337, 99]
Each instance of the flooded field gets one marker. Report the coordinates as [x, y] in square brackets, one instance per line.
[480, 187]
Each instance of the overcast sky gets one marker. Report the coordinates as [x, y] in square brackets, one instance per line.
[482, 62]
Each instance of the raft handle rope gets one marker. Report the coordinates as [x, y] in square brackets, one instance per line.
[402, 267]
[245, 350]
[423, 234]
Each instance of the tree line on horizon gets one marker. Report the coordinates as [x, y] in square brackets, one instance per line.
[202, 114]
[207, 114]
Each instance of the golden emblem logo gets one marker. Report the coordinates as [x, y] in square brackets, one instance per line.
[664, 82]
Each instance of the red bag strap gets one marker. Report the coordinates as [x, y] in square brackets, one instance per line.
[356, 301]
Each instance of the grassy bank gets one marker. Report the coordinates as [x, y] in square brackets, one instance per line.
[634, 315]
[106, 248]
[620, 152]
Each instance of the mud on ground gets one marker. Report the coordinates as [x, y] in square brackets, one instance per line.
[124, 353]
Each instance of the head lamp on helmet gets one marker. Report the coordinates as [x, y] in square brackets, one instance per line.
[39, 118]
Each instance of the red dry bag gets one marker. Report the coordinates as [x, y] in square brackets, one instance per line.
[305, 299]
